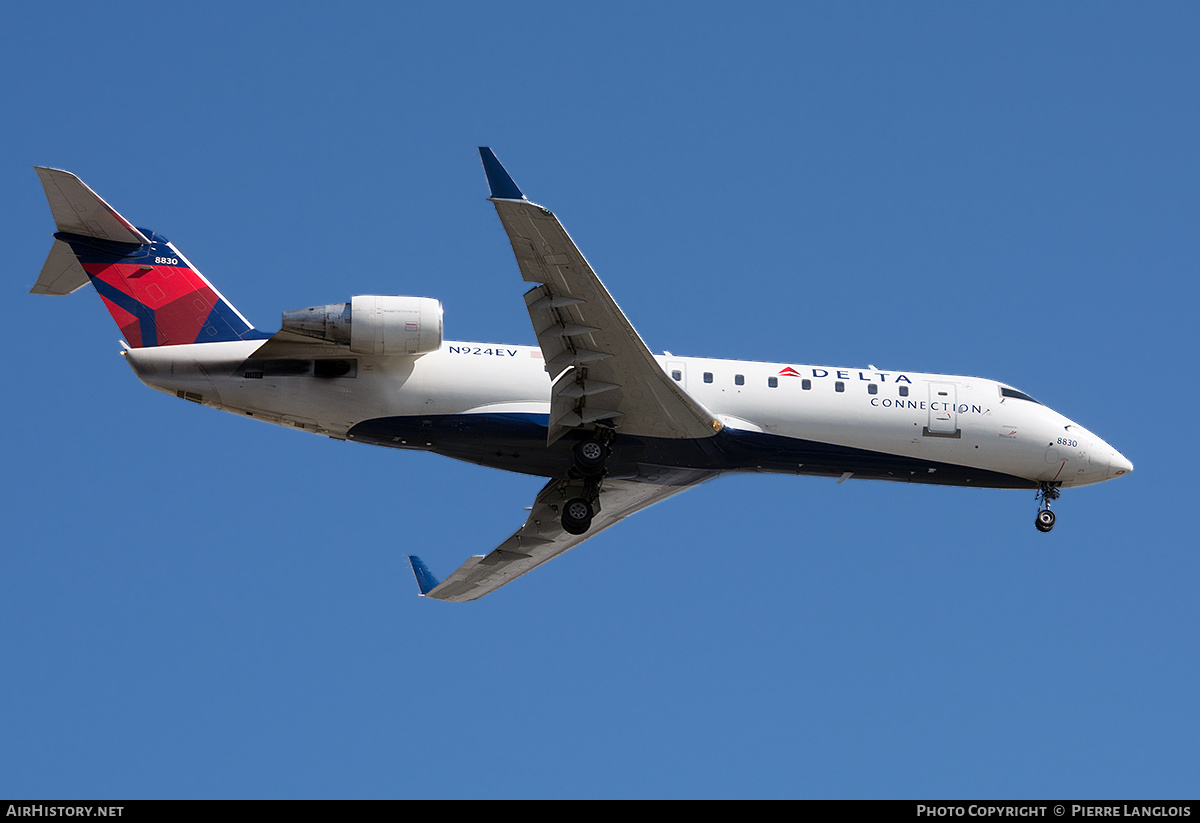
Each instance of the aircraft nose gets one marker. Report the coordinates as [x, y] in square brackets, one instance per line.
[1107, 461]
[1119, 465]
[1104, 456]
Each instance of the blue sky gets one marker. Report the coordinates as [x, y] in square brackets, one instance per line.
[196, 605]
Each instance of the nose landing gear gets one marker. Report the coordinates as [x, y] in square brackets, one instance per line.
[1045, 518]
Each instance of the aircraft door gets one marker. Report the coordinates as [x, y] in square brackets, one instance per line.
[943, 414]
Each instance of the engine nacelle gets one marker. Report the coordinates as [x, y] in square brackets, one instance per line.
[372, 324]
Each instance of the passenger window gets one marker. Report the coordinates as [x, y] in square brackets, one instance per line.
[904, 391]
[872, 388]
[708, 377]
[773, 382]
[839, 386]
[739, 379]
[677, 375]
[806, 384]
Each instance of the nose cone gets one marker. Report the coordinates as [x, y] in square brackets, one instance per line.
[1104, 456]
[1118, 465]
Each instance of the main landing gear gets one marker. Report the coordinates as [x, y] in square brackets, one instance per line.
[590, 456]
[577, 516]
[587, 471]
[1045, 518]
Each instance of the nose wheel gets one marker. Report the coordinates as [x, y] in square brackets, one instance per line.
[1045, 520]
[1045, 517]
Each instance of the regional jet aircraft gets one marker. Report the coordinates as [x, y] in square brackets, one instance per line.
[614, 427]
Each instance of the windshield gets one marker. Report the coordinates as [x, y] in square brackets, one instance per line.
[1007, 392]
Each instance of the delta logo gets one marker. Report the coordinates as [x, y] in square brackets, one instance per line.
[788, 371]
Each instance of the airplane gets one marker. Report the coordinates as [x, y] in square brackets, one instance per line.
[613, 427]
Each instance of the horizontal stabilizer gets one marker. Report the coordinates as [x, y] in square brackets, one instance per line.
[62, 273]
[79, 210]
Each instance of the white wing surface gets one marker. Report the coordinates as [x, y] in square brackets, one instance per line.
[602, 370]
[602, 373]
[542, 537]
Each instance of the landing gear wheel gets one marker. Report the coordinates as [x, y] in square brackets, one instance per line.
[590, 456]
[1045, 520]
[577, 516]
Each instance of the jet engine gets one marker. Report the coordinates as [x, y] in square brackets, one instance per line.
[372, 324]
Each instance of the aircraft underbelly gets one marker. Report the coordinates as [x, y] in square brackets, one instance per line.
[517, 442]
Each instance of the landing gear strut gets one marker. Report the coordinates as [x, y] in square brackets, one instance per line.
[589, 467]
[1045, 517]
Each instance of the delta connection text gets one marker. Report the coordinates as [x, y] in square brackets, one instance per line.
[887, 402]
[885, 377]
[1059, 810]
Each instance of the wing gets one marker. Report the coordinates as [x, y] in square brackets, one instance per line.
[602, 371]
[543, 538]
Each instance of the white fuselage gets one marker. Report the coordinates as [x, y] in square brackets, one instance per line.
[926, 419]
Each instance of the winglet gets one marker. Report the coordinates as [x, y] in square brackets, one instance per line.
[499, 181]
[426, 582]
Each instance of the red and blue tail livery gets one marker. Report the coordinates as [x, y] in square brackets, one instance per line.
[154, 294]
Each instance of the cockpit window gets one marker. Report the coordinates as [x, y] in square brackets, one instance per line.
[1007, 392]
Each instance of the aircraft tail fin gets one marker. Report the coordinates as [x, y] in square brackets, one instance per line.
[154, 294]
